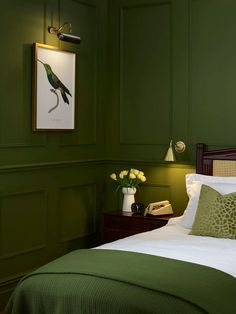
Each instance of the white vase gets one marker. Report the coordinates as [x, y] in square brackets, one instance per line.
[128, 198]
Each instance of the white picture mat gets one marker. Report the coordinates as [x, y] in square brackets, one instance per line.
[63, 65]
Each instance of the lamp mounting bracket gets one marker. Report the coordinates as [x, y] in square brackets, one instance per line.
[55, 31]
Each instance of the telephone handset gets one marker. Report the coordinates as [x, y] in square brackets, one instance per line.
[159, 208]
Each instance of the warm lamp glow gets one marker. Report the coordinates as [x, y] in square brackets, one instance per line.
[179, 148]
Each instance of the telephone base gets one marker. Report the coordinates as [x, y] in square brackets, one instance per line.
[159, 215]
[159, 208]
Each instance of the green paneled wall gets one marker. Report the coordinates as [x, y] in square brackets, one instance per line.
[16, 63]
[51, 194]
[213, 72]
[171, 74]
[46, 211]
[144, 73]
[147, 71]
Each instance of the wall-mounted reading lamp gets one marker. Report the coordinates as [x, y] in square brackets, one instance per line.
[64, 36]
[179, 148]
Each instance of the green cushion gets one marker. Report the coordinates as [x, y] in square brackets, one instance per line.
[216, 214]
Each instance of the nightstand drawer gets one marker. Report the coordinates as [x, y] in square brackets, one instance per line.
[117, 225]
[135, 223]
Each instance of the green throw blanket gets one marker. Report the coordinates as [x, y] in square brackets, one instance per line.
[109, 281]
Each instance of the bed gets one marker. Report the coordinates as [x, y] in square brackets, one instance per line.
[187, 266]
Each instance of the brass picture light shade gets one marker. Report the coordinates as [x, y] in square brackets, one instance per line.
[69, 37]
[179, 148]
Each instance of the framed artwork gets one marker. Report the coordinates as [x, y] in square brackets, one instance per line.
[54, 76]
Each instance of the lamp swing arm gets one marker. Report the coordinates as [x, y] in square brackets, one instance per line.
[55, 31]
[69, 37]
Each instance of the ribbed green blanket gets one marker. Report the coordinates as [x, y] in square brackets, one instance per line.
[109, 281]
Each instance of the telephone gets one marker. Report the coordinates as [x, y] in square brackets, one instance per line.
[159, 208]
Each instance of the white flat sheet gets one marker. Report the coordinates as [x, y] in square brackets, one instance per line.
[174, 241]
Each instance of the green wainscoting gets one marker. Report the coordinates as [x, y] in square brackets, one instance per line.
[45, 211]
[52, 187]
[147, 71]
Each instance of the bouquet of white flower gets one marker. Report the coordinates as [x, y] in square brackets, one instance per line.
[129, 178]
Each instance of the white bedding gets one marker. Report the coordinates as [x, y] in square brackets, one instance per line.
[173, 241]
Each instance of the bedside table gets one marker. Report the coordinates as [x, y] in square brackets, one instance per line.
[117, 225]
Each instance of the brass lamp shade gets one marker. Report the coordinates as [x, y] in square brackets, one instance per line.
[179, 148]
[170, 156]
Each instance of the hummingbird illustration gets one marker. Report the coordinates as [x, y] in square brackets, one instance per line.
[56, 83]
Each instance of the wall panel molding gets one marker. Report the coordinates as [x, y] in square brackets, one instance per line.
[146, 4]
[77, 211]
[18, 145]
[21, 213]
[51, 165]
[140, 79]
[149, 163]
[88, 3]
[212, 72]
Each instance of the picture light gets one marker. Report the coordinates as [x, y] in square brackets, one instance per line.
[68, 37]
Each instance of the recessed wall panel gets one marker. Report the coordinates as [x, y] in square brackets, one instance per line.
[23, 223]
[23, 25]
[77, 211]
[145, 74]
[212, 72]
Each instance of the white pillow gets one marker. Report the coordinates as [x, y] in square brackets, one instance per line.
[223, 185]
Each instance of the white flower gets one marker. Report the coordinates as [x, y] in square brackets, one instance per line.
[132, 175]
[113, 176]
[143, 178]
[128, 178]
[123, 173]
[136, 172]
[139, 176]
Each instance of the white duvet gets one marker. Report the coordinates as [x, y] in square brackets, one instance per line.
[174, 241]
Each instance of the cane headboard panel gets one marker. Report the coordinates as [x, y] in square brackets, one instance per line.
[216, 162]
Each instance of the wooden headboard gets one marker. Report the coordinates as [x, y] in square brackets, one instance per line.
[216, 162]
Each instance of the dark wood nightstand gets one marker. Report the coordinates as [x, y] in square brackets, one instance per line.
[117, 225]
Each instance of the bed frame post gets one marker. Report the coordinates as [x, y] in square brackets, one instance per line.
[200, 148]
